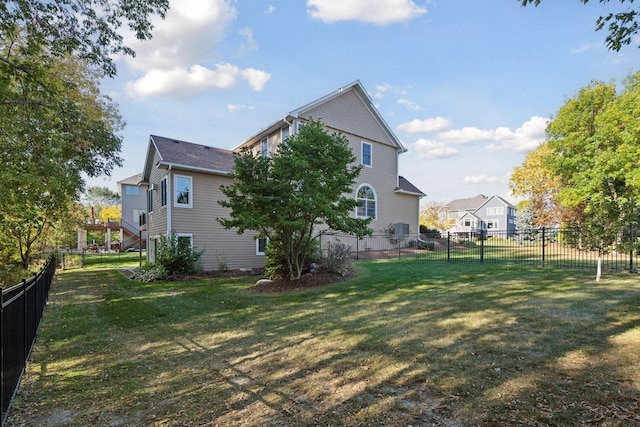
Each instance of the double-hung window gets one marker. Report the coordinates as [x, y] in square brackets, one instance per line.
[150, 200]
[163, 192]
[367, 154]
[264, 147]
[183, 191]
[261, 245]
[131, 190]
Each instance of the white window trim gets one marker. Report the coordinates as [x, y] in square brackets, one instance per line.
[189, 235]
[258, 245]
[284, 137]
[375, 195]
[362, 144]
[175, 194]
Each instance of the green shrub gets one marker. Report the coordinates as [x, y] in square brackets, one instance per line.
[149, 273]
[338, 258]
[176, 254]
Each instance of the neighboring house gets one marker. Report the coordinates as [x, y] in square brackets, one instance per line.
[134, 204]
[183, 180]
[493, 215]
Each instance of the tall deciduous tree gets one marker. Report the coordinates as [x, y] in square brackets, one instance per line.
[622, 25]
[55, 126]
[433, 215]
[593, 153]
[535, 181]
[297, 194]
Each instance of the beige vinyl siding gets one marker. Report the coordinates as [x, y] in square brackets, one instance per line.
[349, 112]
[157, 219]
[237, 251]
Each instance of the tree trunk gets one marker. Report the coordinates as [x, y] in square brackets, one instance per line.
[599, 268]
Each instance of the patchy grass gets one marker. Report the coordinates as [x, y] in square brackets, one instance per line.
[402, 343]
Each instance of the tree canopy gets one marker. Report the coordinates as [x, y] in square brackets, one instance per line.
[55, 125]
[588, 170]
[433, 216]
[622, 25]
[296, 194]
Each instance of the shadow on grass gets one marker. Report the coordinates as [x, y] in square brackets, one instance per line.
[402, 343]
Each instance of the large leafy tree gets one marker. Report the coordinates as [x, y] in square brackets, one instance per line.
[433, 215]
[622, 25]
[55, 125]
[592, 151]
[296, 195]
[539, 185]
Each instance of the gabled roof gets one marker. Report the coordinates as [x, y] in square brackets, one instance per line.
[404, 186]
[132, 180]
[188, 156]
[499, 198]
[470, 215]
[470, 204]
[295, 114]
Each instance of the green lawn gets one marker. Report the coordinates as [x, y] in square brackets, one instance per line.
[403, 343]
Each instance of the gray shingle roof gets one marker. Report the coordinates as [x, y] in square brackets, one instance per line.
[470, 204]
[405, 186]
[193, 156]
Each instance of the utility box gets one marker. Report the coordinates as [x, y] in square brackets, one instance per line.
[400, 230]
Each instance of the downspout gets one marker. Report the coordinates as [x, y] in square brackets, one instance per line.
[169, 200]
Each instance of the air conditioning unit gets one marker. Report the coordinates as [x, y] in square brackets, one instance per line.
[400, 230]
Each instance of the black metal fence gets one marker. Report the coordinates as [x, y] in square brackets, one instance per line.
[20, 315]
[552, 247]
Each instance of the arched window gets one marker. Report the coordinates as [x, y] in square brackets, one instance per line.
[366, 198]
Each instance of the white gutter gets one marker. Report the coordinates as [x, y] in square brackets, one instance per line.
[169, 200]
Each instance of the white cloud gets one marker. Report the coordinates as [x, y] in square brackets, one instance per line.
[466, 135]
[250, 43]
[583, 48]
[270, 9]
[409, 105]
[525, 138]
[435, 124]
[431, 149]
[384, 88]
[480, 179]
[175, 61]
[185, 82]
[380, 12]
[257, 78]
[238, 107]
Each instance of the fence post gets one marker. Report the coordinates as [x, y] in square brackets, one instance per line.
[481, 246]
[543, 244]
[448, 246]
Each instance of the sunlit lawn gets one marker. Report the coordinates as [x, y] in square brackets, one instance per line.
[403, 343]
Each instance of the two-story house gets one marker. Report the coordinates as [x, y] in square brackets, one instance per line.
[134, 204]
[492, 215]
[183, 179]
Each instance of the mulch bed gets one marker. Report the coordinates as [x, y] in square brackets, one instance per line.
[308, 280]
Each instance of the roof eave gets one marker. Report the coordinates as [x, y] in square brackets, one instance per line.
[163, 165]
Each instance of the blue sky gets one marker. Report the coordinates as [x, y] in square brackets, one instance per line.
[467, 86]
